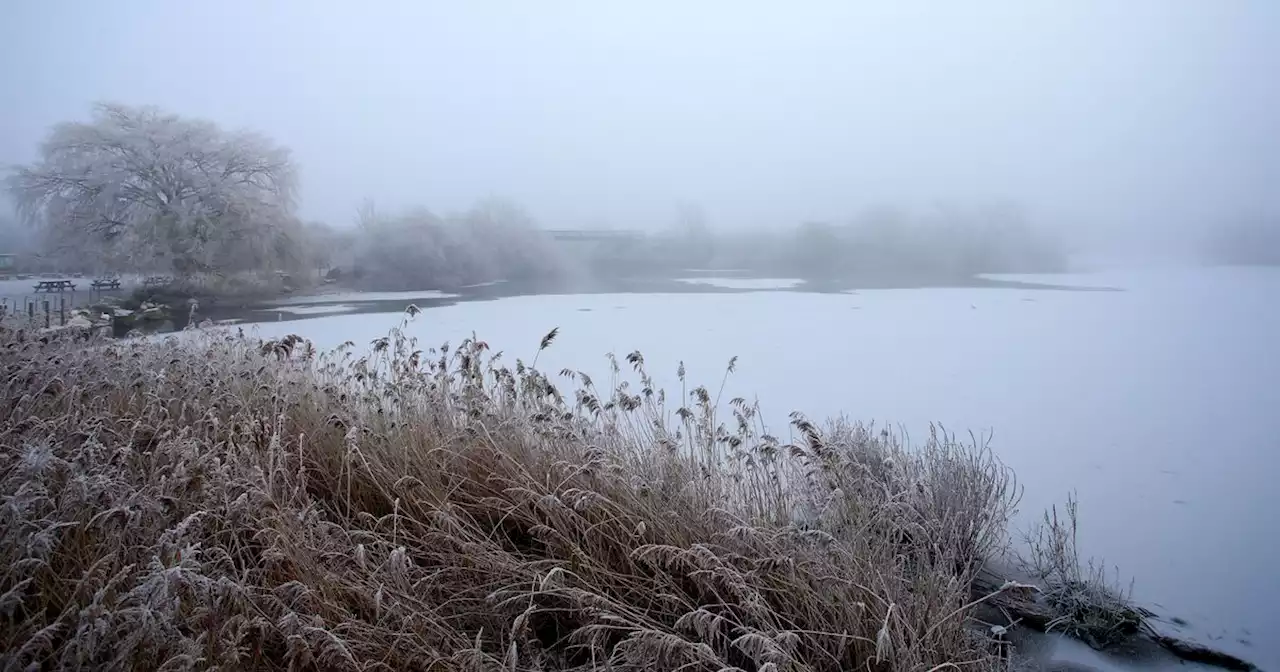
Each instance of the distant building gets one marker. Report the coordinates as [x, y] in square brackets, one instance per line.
[7, 261]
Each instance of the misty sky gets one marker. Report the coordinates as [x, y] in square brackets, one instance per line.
[1146, 115]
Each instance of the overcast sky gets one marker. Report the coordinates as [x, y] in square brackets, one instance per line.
[1134, 114]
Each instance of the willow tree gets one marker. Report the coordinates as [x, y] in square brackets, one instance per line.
[159, 191]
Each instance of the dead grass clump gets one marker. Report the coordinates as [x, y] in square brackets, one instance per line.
[1086, 603]
[208, 501]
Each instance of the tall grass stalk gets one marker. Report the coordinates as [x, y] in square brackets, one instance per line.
[1087, 602]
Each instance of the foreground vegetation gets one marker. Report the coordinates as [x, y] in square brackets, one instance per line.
[208, 501]
[213, 500]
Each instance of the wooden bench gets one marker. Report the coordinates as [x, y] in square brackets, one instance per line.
[55, 286]
[105, 283]
[157, 281]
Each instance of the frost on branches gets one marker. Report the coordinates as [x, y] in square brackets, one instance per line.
[143, 189]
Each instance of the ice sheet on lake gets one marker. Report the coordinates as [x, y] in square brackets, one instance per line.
[746, 283]
[363, 297]
[319, 309]
[1081, 280]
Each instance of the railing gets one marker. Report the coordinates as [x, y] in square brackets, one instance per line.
[42, 310]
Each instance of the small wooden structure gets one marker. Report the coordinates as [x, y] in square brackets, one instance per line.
[157, 281]
[55, 286]
[105, 283]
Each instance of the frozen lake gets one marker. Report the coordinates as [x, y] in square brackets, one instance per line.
[1159, 404]
[745, 283]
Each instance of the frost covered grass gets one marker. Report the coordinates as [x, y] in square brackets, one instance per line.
[220, 502]
[1084, 601]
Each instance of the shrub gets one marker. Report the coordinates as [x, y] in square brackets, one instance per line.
[1084, 601]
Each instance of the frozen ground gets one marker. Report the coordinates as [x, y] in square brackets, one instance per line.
[745, 283]
[1159, 405]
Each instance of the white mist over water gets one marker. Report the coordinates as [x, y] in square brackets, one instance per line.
[1158, 405]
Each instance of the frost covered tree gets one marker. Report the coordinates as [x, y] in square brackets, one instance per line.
[494, 240]
[160, 191]
[12, 237]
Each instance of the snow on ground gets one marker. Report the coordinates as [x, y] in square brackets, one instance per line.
[745, 283]
[1157, 405]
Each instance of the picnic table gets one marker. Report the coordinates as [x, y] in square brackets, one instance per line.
[106, 283]
[55, 285]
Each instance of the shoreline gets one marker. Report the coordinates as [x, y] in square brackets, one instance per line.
[285, 308]
[263, 306]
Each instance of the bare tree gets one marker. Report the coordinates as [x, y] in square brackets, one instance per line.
[160, 191]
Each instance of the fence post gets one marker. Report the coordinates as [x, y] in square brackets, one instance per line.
[31, 312]
[62, 310]
[46, 313]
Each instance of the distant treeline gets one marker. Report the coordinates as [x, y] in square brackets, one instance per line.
[941, 243]
[136, 189]
[496, 240]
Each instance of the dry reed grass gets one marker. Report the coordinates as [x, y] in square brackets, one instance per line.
[1086, 602]
[212, 502]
